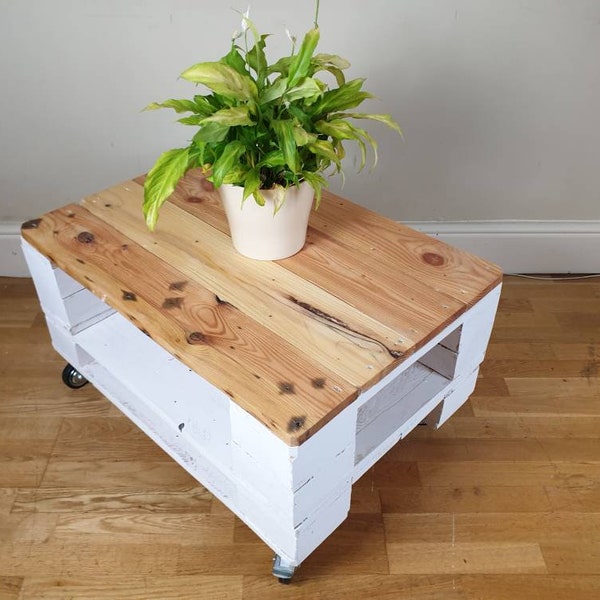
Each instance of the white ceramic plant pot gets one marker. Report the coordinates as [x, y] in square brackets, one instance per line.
[256, 232]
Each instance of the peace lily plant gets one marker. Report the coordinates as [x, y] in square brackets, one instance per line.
[265, 126]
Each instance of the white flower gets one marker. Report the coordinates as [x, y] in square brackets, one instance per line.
[291, 37]
[245, 19]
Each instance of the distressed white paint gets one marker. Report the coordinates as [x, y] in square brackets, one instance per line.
[292, 497]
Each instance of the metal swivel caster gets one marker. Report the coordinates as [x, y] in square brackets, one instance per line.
[283, 571]
[73, 378]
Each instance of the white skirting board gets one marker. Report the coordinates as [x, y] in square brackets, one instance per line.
[12, 262]
[517, 246]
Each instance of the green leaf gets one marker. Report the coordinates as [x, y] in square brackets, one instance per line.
[346, 96]
[161, 181]
[317, 182]
[226, 161]
[256, 59]
[325, 150]
[284, 130]
[252, 182]
[274, 91]
[330, 60]
[206, 105]
[237, 115]
[301, 62]
[301, 116]
[222, 79]
[281, 66]
[274, 158]
[308, 89]
[333, 64]
[192, 120]
[178, 106]
[236, 174]
[385, 119]
[259, 198]
[235, 60]
[343, 130]
[302, 137]
[338, 128]
[212, 132]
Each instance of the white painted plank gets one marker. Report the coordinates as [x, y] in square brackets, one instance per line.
[403, 386]
[476, 331]
[399, 410]
[192, 406]
[455, 400]
[441, 359]
[44, 279]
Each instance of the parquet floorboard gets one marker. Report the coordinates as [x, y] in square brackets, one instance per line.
[502, 503]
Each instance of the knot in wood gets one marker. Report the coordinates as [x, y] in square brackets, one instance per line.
[85, 237]
[318, 383]
[295, 424]
[32, 224]
[285, 387]
[196, 337]
[433, 259]
[194, 199]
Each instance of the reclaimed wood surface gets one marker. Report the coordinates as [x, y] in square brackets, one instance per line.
[501, 503]
[292, 341]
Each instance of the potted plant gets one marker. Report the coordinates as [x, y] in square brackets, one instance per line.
[266, 131]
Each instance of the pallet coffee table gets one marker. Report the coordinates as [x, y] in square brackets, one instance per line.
[275, 384]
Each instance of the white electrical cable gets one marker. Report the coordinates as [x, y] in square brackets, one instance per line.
[566, 278]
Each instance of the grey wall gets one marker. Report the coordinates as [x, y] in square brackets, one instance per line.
[498, 99]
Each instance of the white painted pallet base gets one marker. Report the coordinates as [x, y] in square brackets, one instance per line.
[292, 497]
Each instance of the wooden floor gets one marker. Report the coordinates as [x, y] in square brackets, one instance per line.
[503, 502]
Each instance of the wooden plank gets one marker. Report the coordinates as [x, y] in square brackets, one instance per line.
[22, 464]
[476, 557]
[442, 267]
[185, 528]
[464, 498]
[88, 559]
[544, 587]
[371, 237]
[82, 500]
[133, 586]
[541, 528]
[369, 282]
[375, 287]
[341, 338]
[273, 381]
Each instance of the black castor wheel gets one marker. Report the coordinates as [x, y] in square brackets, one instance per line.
[73, 378]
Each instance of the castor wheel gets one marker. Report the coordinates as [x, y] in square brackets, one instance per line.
[73, 378]
[282, 570]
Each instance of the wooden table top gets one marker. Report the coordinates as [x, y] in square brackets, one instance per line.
[293, 341]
